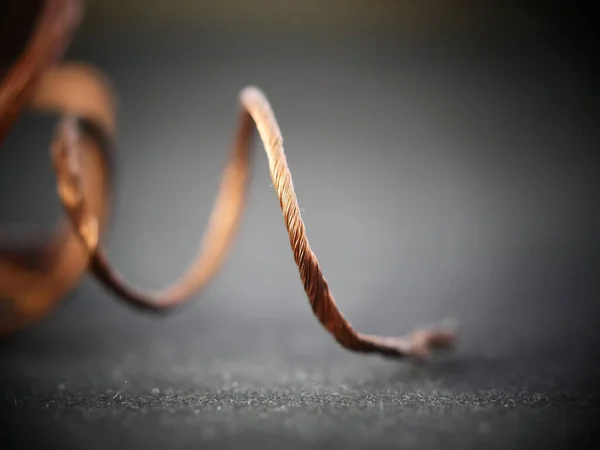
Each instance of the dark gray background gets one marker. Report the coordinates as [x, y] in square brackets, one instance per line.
[445, 168]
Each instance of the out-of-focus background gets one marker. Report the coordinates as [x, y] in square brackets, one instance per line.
[444, 155]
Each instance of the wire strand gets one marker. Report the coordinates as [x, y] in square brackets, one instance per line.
[223, 224]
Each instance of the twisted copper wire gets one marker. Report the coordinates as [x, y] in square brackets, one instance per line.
[223, 224]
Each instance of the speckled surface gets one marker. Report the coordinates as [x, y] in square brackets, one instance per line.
[165, 396]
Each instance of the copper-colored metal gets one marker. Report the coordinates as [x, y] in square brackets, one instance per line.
[223, 224]
[34, 278]
[56, 22]
[82, 208]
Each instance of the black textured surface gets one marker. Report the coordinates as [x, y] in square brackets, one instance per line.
[181, 398]
[466, 170]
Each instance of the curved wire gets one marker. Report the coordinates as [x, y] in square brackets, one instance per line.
[55, 25]
[84, 190]
[36, 274]
[223, 223]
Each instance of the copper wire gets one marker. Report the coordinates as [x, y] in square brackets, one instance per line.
[223, 224]
[34, 277]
